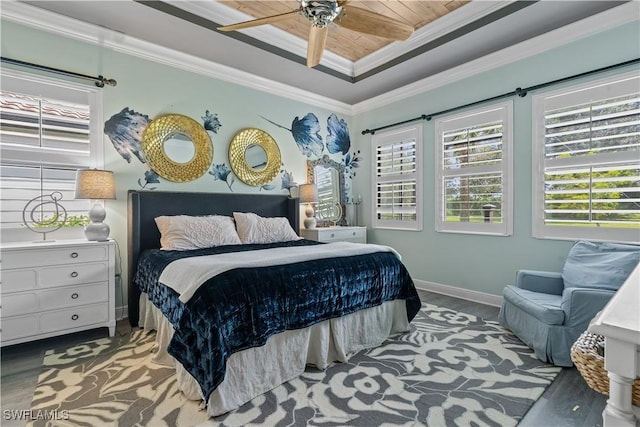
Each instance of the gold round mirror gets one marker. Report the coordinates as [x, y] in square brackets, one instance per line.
[177, 148]
[254, 157]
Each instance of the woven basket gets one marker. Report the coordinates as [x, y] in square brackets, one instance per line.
[590, 364]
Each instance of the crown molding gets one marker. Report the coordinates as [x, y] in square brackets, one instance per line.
[623, 14]
[41, 19]
[54, 23]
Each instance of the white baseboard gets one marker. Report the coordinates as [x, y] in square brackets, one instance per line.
[122, 312]
[452, 291]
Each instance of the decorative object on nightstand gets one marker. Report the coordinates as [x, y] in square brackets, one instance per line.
[34, 214]
[308, 194]
[352, 210]
[96, 185]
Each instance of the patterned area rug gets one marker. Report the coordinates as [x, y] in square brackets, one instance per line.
[450, 369]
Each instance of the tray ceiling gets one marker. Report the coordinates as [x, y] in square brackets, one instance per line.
[355, 67]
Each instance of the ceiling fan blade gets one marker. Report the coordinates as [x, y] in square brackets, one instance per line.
[315, 47]
[259, 21]
[365, 21]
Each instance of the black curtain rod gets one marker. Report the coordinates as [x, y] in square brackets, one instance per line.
[518, 91]
[99, 81]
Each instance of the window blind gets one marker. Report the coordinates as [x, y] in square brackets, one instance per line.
[397, 179]
[473, 177]
[592, 162]
[396, 188]
[46, 132]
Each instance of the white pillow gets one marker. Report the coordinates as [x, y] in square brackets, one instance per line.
[183, 232]
[256, 229]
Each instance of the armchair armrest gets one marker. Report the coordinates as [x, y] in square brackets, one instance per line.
[547, 282]
[580, 305]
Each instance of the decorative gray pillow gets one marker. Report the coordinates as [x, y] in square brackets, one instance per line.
[253, 228]
[599, 265]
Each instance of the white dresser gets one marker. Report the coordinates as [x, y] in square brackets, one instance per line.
[56, 288]
[335, 234]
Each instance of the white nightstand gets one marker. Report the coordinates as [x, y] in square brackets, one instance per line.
[336, 234]
[56, 288]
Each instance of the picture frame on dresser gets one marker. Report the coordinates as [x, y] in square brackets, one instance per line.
[55, 288]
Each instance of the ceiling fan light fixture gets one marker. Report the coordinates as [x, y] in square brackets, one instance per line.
[320, 12]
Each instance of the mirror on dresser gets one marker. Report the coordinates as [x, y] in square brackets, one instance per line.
[328, 175]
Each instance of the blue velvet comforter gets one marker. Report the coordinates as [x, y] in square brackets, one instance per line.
[241, 308]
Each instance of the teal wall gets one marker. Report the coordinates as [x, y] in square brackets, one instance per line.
[474, 262]
[479, 263]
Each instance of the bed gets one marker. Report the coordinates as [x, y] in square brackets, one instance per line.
[293, 318]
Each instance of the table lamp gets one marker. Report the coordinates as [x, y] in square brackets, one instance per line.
[96, 185]
[308, 194]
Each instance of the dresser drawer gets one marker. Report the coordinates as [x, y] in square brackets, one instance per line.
[73, 317]
[18, 327]
[71, 296]
[18, 280]
[342, 235]
[73, 274]
[53, 256]
[20, 303]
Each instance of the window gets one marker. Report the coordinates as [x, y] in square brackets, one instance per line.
[586, 161]
[48, 130]
[473, 171]
[397, 179]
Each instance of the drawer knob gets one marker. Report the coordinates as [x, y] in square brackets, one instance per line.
[74, 295]
[354, 233]
[333, 235]
[74, 254]
[74, 317]
[74, 274]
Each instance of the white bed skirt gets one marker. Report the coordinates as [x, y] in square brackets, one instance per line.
[255, 371]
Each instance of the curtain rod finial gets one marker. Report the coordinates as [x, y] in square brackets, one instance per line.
[101, 81]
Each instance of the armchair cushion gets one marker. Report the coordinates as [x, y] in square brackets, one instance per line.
[544, 307]
[581, 304]
[548, 282]
[599, 265]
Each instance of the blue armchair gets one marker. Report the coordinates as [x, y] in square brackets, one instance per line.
[548, 311]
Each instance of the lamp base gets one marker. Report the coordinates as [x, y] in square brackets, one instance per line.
[309, 222]
[97, 231]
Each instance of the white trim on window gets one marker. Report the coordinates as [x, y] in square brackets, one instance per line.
[397, 179]
[474, 171]
[586, 159]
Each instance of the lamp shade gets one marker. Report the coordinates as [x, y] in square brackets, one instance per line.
[308, 193]
[95, 184]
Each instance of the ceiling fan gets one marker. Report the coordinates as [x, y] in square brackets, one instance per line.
[321, 13]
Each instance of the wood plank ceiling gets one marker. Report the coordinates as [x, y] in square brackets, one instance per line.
[346, 43]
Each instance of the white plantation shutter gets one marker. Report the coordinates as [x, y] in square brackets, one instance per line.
[473, 177]
[587, 161]
[48, 130]
[397, 179]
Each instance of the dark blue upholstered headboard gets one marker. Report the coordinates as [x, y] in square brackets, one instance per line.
[144, 206]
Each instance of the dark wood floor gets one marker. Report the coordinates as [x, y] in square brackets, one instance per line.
[567, 402]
